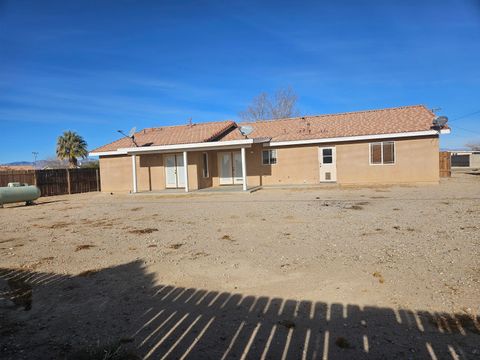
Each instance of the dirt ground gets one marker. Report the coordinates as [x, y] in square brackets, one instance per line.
[327, 273]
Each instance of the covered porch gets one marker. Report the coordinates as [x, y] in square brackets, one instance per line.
[204, 168]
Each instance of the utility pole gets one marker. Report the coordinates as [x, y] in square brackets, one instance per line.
[35, 155]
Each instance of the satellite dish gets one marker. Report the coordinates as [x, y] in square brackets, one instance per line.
[131, 135]
[440, 121]
[246, 130]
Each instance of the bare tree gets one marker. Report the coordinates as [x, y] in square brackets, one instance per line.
[263, 107]
[474, 146]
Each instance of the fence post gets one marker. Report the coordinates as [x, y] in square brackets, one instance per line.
[69, 185]
[98, 179]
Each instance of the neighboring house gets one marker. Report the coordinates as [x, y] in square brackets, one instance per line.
[465, 158]
[388, 146]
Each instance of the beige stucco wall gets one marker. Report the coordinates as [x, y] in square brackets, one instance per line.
[295, 165]
[116, 173]
[150, 172]
[416, 161]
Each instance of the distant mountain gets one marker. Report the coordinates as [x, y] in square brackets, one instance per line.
[51, 163]
[19, 163]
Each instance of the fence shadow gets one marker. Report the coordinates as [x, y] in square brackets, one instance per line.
[53, 315]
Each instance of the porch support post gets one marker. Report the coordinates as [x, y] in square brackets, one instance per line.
[134, 173]
[244, 169]
[185, 169]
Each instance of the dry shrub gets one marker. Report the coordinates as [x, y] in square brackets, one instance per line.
[198, 255]
[176, 246]
[143, 231]
[227, 237]
[88, 273]
[136, 209]
[58, 225]
[84, 247]
[356, 207]
[378, 276]
[8, 240]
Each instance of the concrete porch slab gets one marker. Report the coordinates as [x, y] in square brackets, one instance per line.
[213, 190]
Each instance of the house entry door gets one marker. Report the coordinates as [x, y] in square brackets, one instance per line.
[174, 171]
[328, 167]
[230, 167]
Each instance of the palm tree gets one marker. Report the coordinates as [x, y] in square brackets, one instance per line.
[71, 146]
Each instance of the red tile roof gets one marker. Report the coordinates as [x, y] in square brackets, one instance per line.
[170, 135]
[371, 122]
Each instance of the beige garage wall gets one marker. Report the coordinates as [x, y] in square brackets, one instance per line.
[417, 161]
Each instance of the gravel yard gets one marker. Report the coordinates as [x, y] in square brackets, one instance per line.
[297, 273]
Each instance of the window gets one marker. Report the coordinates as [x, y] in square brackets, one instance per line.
[327, 156]
[382, 153]
[269, 157]
[205, 172]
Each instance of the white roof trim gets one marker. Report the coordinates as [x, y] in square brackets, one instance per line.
[357, 138]
[247, 143]
[177, 147]
[107, 153]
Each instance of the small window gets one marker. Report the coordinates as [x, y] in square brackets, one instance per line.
[327, 156]
[205, 171]
[269, 157]
[382, 153]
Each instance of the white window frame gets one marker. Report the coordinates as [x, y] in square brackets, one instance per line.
[205, 166]
[269, 157]
[381, 149]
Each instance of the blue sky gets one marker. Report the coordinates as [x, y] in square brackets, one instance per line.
[98, 66]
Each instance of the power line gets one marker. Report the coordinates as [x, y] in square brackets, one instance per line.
[466, 115]
[472, 131]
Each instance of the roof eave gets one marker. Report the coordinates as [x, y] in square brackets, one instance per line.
[358, 138]
[177, 147]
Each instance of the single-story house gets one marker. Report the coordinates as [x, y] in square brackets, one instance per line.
[388, 146]
[465, 158]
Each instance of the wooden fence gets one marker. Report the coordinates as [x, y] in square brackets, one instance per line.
[445, 164]
[55, 181]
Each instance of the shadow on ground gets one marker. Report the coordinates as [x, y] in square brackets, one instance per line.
[46, 315]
